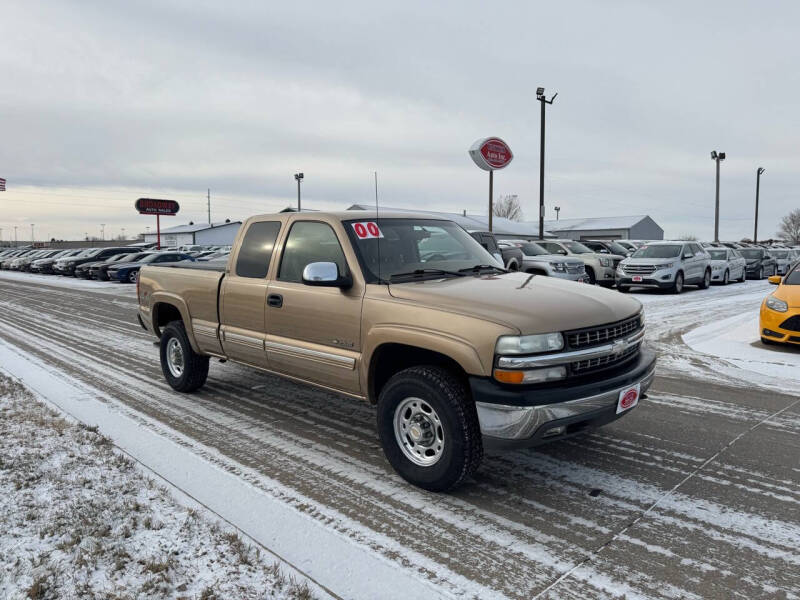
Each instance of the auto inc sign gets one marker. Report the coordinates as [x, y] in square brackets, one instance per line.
[153, 206]
[491, 153]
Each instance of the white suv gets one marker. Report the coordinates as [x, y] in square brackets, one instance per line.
[666, 265]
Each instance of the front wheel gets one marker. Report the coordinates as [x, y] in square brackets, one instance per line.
[725, 278]
[760, 275]
[677, 286]
[429, 428]
[133, 276]
[183, 368]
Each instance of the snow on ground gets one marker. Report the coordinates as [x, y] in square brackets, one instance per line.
[737, 340]
[79, 519]
[74, 283]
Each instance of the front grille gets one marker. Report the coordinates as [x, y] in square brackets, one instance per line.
[576, 269]
[639, 269]
[595, 336]
[792, 323]
[590, 365]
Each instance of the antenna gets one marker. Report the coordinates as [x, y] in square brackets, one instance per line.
[377, 222]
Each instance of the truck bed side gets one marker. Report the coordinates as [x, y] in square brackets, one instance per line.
[167, 293]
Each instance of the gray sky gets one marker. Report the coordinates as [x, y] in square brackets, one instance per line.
[103, 102]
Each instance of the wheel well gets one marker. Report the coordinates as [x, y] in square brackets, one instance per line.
[512, 265]
[389, 359]
[164, 314]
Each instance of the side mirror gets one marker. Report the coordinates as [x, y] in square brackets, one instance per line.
[325, 274]
[775, 279]
[685, 256]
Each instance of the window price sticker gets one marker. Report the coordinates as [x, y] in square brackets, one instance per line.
[366, 230]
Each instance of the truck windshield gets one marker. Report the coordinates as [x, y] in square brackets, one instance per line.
[402, 246]
[658, 251]
[531, 249]
[578, 248]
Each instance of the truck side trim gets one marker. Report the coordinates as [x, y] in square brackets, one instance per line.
[337, 359]
[243, 340]
[205, 330]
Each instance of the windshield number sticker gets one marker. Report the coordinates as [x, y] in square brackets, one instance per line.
[366, 230]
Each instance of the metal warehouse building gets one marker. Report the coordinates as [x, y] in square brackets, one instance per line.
[637, 227]
[214, 234]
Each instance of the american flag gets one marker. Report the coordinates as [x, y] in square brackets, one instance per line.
[2, 185]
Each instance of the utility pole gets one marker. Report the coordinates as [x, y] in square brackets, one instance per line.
[541, 98]
[717, 157]
[558, 210]
[209, 206]
[123, 233]
[759, 171]
[298, 177]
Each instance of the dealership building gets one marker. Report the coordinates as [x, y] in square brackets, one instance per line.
[205, 234]
[637, 227]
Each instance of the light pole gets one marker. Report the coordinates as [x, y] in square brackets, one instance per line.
[558, 210]
[102, 231]
[759, 171]
[298, 177]
[717, 157]
[541, 98]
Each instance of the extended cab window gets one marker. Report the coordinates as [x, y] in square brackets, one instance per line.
[256, 249]
[308, 242]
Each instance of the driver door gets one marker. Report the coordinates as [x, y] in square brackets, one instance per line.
[314, 333]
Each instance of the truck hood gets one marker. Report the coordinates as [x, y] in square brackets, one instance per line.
[529, 303]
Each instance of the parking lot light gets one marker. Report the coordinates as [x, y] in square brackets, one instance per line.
[717, 157]
[759, 171]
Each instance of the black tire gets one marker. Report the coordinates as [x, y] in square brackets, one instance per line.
[705, 282]
[677, 286]
[133, 276]
[744, 275]
[195, 366]
[726, 277]
[590, 274]
[447, 395]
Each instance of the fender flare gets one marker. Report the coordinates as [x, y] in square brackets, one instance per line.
[162, 297]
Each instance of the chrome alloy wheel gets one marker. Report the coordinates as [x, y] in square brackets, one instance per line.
[175, 357]
[419, 432]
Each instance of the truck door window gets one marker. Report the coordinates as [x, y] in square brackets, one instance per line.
[256, 249]
[308, 242]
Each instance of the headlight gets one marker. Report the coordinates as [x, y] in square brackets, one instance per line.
[558, 266]
[606, 262]
[665, 266]
[775, 304]
[529, 344]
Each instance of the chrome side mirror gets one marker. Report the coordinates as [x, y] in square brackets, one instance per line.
[325, 274]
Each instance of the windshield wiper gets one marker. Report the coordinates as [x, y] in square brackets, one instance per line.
[421, 272]
[479, 268]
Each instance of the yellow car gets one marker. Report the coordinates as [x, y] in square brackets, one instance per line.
[780, 311]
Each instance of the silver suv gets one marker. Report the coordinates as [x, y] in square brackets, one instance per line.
[665, 265]
[536, 259]
[599, 267]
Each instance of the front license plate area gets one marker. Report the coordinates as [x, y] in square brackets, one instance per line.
[637, 278]
[628, 398]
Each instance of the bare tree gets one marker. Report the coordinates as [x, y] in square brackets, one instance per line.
[789, 228]
[508, 207]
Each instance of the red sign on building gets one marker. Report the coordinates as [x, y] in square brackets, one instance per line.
[153, 206]
[491, 153]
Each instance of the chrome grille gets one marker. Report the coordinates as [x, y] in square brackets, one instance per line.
[596, 336]
[639, 269]
[604, 362]
[576, 269]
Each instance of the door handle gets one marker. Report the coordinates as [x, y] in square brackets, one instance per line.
[275, 300]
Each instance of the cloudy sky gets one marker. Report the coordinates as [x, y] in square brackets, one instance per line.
[103, 102]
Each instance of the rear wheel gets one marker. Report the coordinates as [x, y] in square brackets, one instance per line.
[743, 276]
[726, 278]
[183, 368]
[429, 428]
[706, 281]
[133, 276]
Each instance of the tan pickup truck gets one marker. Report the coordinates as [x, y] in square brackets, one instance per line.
[411, 314]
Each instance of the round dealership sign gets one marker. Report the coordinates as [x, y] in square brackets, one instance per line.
[491, 153]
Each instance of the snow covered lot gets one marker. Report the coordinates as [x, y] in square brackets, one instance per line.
[695, 494]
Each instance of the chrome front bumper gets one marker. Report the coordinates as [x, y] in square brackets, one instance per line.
[523, 426]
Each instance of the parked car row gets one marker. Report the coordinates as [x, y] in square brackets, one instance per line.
[103, 264]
